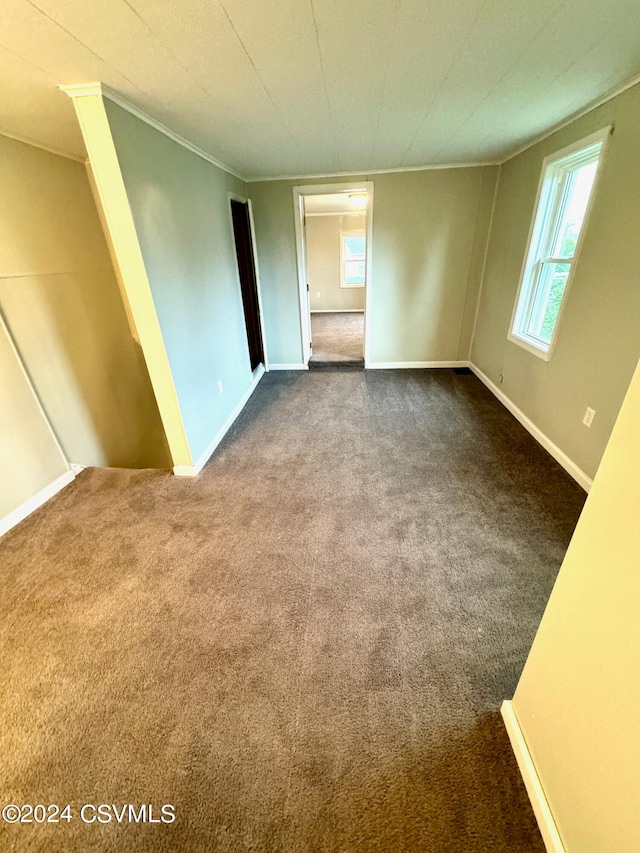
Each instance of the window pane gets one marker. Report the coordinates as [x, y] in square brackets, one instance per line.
[354, 272]
[576, 198]
[548, 298]
[354, 248]
[565, 189]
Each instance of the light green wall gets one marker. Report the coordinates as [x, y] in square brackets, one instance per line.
[598, 341]
[323, 262]
[29, 457]
[180, 208]
[61, 301]
[426, 256]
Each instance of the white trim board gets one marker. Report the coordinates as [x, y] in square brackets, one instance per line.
[409, 365]
[363, 173]
[81, 90]
[532, 781]
[337, 310]
[293, 366]
[559, 455]
[194, 470]
[20, 513]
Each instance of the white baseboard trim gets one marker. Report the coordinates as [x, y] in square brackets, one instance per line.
[77, 469]
[184, 471]
[41, 497]
[194, 470]
[559, 455]
[337, 311]
[404, 365]
[295, 366]
[533, 784]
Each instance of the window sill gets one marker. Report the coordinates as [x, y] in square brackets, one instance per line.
[545, 355]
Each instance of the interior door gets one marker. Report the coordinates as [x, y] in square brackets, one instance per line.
[248, 283]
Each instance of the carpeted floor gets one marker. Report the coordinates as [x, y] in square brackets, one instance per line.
[337, 337]
[304, 649]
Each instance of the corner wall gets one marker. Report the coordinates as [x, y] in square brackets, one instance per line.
[180, 208]
[429, 230]
[61, 303]
[598, 344]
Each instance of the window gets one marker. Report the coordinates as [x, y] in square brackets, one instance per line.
[561, 213]
[353, 264]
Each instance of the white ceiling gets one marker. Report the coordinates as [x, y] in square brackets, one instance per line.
[293, 87]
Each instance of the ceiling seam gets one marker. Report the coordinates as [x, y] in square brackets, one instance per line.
[593, 104]
[255, 68]
[82, 44]
[506, 73]
[28, 62]
[425, 116]
[196, 83]
[619, 90]
[386, 79]
[324, 84]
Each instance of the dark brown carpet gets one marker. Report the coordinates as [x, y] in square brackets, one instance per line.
[337, 337]
[305, 649]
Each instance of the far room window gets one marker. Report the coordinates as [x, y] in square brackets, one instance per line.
[564, 195]
[353, 264]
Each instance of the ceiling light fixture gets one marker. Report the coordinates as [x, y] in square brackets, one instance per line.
[358, 200]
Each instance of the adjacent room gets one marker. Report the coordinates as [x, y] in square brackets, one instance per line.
[335, 251]
[319, 406]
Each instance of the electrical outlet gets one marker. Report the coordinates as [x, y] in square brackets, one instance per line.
[317, 294]
[588, 417]
[220, 388]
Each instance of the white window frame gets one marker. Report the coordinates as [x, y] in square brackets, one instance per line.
[555, 167]
[356, 232]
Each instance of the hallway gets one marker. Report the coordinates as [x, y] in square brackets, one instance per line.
[337, 337]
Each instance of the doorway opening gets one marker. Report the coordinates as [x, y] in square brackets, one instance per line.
[242, 222]
[333, 234]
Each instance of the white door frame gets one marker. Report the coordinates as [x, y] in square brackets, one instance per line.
[254, 248]
[303, 296]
